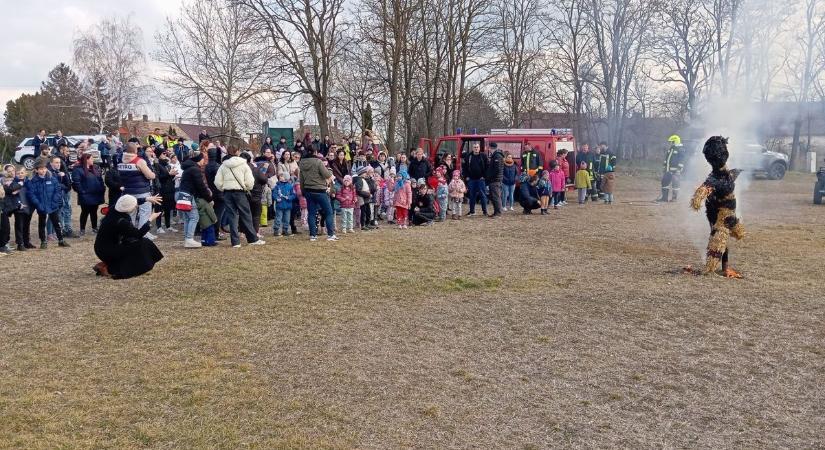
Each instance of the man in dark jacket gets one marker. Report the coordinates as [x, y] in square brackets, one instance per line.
[495, 174]
[528, 193]
[475, 170]
[257, 192]
[192, 182]
[211, 171]
[587, 157]
[419, 166]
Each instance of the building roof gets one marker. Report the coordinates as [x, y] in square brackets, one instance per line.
[141, 128]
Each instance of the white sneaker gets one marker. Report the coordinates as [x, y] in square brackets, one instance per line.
[344, 231]
[236, 246]
[332, 238]
[172, 230]
[191, 243]
[160, 231]
[313, 238]
[259, 242]
[150, 236]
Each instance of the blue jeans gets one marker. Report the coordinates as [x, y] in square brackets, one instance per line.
[282, 221]
[478, 187]
[190, 220]
[319, 201]
[507, 195]
[66, 213]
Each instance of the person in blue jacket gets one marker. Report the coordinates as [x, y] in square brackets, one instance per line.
[87, 181]
[282, 195]
[45, 196]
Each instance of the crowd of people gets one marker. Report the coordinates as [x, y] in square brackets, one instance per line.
[210, 192]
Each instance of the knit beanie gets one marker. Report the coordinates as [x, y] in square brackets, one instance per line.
[126, 204]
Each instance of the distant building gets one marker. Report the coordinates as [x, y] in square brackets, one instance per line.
[143, 127]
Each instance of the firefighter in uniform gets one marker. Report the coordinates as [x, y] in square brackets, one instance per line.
[673, 169]
[530, 160]
[604, 161]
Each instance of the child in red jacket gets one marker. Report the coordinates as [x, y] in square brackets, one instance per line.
[348, 199]
[558, 182]
[403, 199]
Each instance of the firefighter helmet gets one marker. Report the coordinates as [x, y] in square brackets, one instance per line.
[675, 139]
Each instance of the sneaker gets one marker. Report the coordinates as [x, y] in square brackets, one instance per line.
[276, 233]
[5, 250]
[52, 238]
[313, 238]
[150, 236]
[351, 230]
[30, 246]
[191, 243]
[344, 231]
[236, 246]
[21, 248]
[332, 238]
[471, 214]
[44, 246]
[94, 231]
[172, 230]
[82, 233]
[63, 244]
[161, 231]
[221, 237]
[259, 242]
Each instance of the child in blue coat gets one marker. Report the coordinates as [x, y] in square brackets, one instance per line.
[45, 195]
[283, 194]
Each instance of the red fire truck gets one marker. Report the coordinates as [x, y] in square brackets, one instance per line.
[513, 140]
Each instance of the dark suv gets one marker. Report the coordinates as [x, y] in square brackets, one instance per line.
[819, 186]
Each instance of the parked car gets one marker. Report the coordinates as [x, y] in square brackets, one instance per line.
[819, 186]
[758, 159]
[25, 154]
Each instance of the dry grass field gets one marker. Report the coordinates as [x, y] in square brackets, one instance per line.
[573, 330]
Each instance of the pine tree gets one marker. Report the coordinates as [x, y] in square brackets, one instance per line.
[99, 104]
[64, 94]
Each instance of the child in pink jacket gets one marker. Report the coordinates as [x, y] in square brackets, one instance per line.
[558, 182]
[347, 197]
[403, 199]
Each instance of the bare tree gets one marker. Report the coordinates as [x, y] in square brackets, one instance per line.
[621, 34]
[572, 45]
[218, 71]
[808, 67]
[684, 46]
[519, 43]
[113, 50]
[100, 104]
[387, 26]
[307, 37]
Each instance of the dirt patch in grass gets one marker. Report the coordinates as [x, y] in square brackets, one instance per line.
[528, 332]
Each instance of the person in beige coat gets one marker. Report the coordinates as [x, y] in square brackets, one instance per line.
[235, 180]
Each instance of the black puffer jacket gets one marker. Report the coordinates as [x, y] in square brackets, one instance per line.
[260, 181]
[192, 181]
[495, 170]
[211, 171]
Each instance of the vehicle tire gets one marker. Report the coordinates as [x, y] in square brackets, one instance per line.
[28, 163]
[818, 193]
[776, 171]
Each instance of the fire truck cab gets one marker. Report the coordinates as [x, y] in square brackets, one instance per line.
[513, 140]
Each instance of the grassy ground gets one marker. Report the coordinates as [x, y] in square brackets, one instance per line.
[525, 332]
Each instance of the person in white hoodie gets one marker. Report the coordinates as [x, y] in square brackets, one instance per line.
[235, 180]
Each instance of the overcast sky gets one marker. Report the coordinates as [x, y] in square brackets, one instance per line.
[37, 34]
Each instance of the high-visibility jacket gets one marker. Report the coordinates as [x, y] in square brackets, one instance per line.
[673, 159]
[154, 139]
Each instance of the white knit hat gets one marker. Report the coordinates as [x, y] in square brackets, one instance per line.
[126, 204]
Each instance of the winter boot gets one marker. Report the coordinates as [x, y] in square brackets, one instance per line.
[663, 198]
[675, 196]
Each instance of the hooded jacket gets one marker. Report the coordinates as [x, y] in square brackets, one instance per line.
[88, 185]
[558, 180]
[211, 171]
[44, 193]
[234, 175]
[403, 196]
[283, 195]
[347, 197]
[495, 170]
[192, 181]
[509, 174]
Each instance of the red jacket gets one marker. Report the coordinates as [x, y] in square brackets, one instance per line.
[565, 168]
[403, 196]
[347, 197]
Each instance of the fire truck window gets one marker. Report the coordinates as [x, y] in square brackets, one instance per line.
[514, 148]
[467, 146]
[446, 147]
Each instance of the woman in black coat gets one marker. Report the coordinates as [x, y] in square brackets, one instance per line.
[423, 212]
[123, 250]
[87, 181]
[166, 189]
